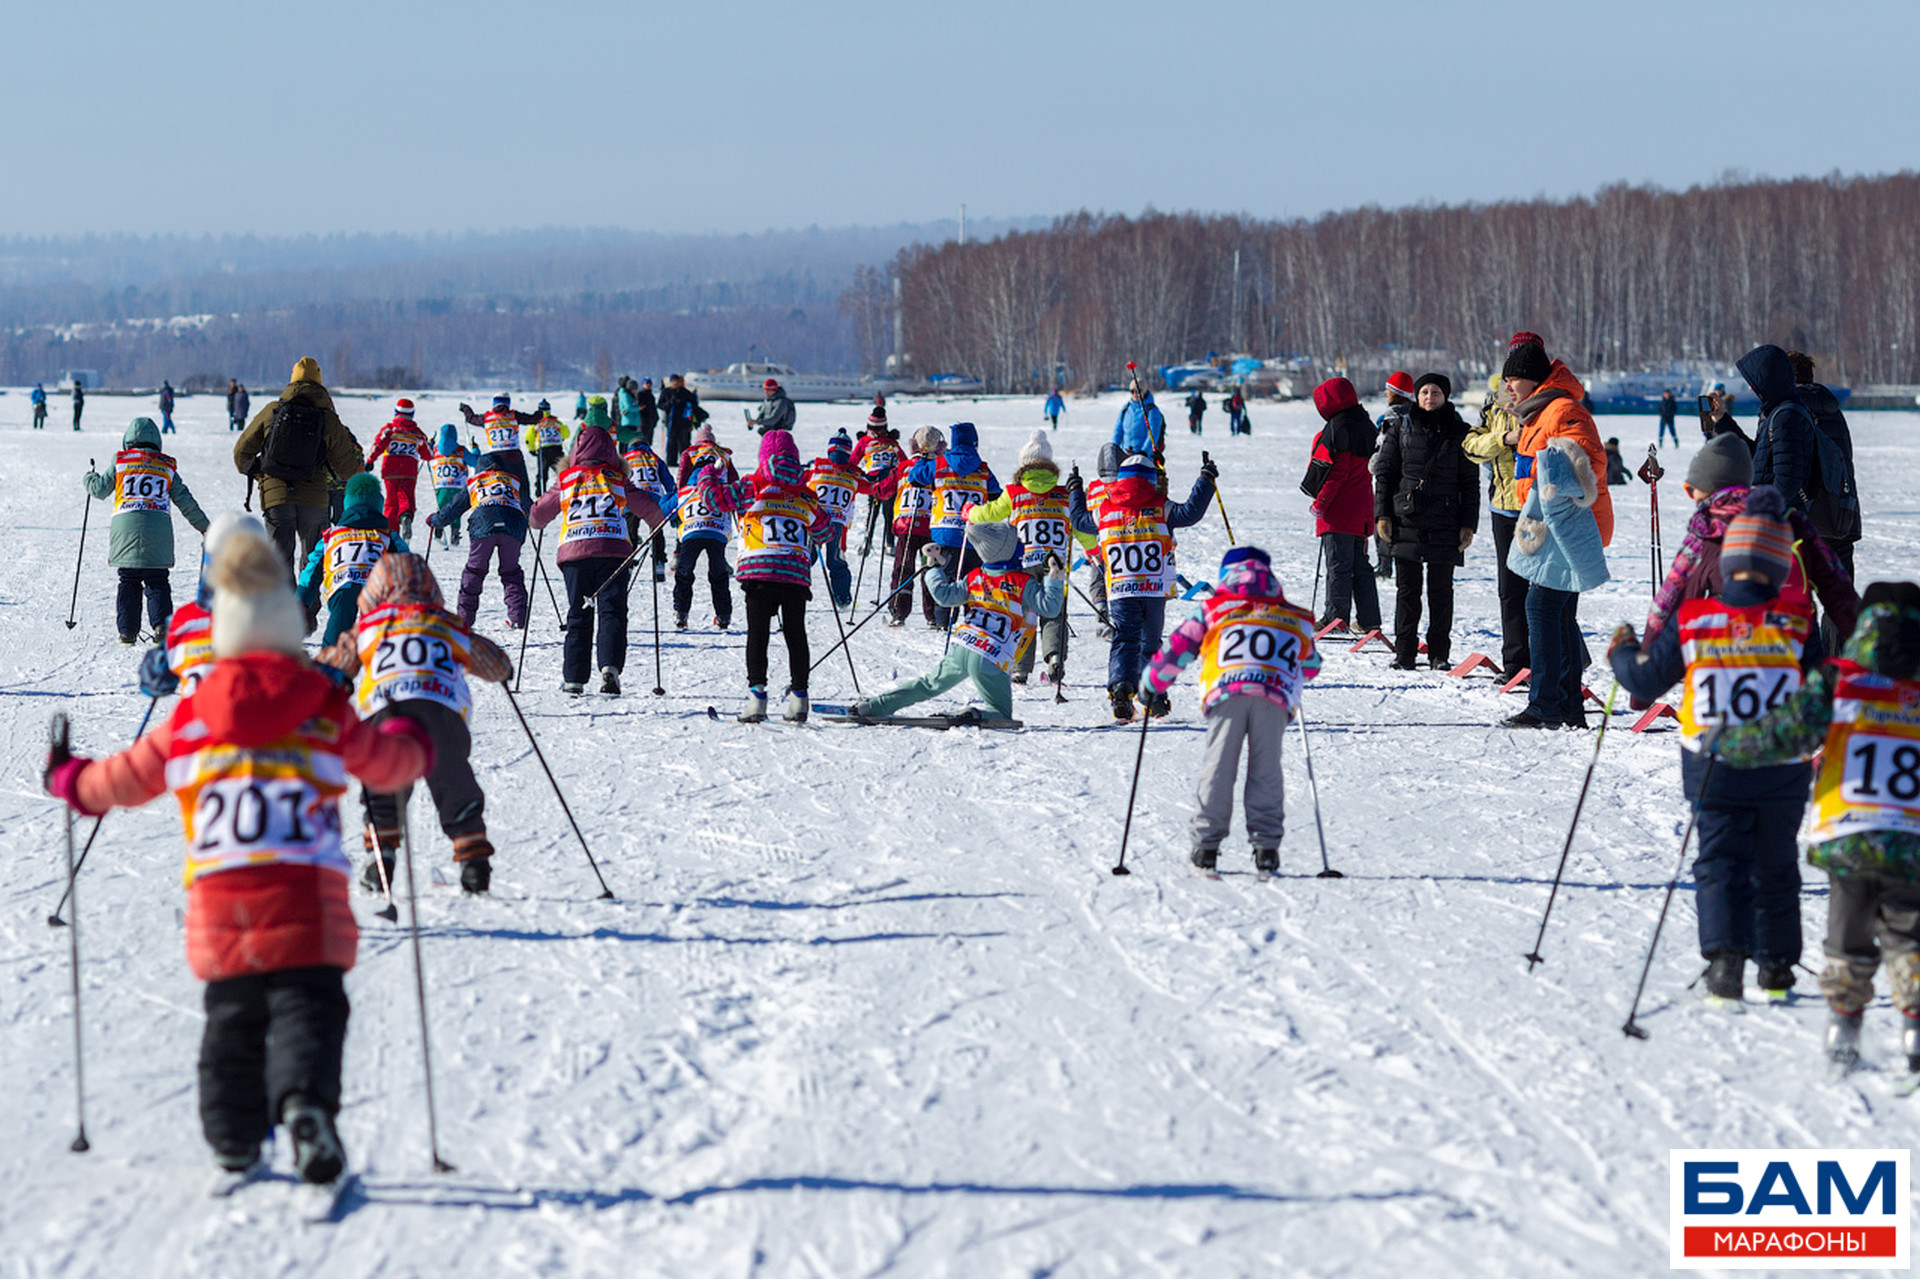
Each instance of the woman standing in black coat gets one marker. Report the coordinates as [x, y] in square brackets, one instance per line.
[1426, 502]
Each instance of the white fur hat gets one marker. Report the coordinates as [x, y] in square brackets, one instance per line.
[254, 607]
[1036, 451]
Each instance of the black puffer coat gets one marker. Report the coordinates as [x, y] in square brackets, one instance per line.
[1422, 470]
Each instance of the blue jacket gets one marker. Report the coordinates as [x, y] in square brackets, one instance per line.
[354, 515]
[38, 397]
[1055, 405]
[1557, 542]
[1140, 427]
[963, 458]
[1649, 672]
[491, 521]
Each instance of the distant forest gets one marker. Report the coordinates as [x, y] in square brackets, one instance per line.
[1630, 277]
[559, 309]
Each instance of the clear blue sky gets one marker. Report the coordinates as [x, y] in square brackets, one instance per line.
[725, 115]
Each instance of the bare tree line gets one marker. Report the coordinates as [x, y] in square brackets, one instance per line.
[1629, 278]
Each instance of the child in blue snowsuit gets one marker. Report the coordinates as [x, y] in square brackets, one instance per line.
[344, 557]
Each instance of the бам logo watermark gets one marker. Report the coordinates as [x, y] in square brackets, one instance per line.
[1789, 1209]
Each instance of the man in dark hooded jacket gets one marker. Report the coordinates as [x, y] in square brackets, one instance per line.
[1824, 405]
[776, 410]
[1783, 447]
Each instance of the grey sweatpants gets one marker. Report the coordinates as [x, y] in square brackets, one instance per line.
[959, 664]
[1259, 725]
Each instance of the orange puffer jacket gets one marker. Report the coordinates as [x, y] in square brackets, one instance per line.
[1550, 412]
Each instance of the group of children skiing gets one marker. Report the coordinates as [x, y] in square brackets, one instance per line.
[259, 746]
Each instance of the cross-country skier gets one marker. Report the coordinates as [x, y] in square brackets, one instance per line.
[704, 514]
[496, 496]
[835, 483]
[345, 555]
[187, 655]
[960, 480]
[780, 525]
[648, 476]
[145, 486]
[1255, 651]
[1035, 505]
[912, 483]
[547, 441]
[395, 455]
[448, 471]
[257, 756]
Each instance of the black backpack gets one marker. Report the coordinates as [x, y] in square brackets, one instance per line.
[1833, 503]
[296, 441]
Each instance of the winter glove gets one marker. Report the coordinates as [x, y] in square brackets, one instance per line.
[156, 677]
[402, 725]
[466, 410]
[1056, 568]
[1210, 469]
[1383, 529]
[932, 555]
[1622, 634]
[61, 777]
[1466, 538]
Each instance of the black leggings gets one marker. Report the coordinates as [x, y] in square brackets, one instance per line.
[789, 601]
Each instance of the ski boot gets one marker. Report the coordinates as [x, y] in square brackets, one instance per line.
[1057, 671]
[387, 845]
[473, 853]
[679, 621]
[317, 1153]
[237, 1160]
[572, 689]
[1727, 977]
[1205, 858]
[1121, 695]
[1018, 677]
[1156, 704]
[609, 681]
[1775, 982]
[755, 711]
[722, 623]
[797, 707]
[1266, 860]
[1843, 1040]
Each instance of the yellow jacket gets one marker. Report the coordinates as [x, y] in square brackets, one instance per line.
[1486, 443]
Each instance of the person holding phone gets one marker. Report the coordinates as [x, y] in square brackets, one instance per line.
[1716, 416]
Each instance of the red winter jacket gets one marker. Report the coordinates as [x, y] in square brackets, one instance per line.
[399, 466]
[262, 919]
[1345, 503]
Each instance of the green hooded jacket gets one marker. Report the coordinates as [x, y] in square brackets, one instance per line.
[144, 539]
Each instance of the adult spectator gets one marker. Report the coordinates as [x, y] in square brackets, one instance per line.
[39, 399]
[580, 407]
[1546, 405]
[1824, 405]
[1140, 427]
[1196, 409]
[1237, 414]
[1669, 411]
[649, 411]
[1425, 506]
[1343, 504]
[242, 404]
[233, 389]
[166, 408]
[1399, 400]
[1716, 418]
[294, 446]
[626, 411]
[1783, 444]
[776, 410]
[1487, 445]
[681, 412]
[79, 402]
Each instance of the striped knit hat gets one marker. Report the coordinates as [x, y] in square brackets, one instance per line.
[1758, 539]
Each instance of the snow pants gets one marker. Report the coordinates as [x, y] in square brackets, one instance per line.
[288, 523]
[1406, 611]
[549, 462]
[1260, 726]
[1747, 881]
[268, 1037]
[839, 576]
[446, 498]
[1871, 919]
[788, 600]
[1352, 594]
[1139, 624]
[457, 797]
[151, 583]
[513, 579]
[400, 503]
[686, 559]
[343, 610]
[959, 664]
[1050, 643]
[593, 587]
[906, 557]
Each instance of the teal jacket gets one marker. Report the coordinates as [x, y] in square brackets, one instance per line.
[144, 539]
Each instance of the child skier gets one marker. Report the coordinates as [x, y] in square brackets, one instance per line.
[912, 491]
[547, 441]
[408, 656]
[1862, 713]
[496, 493]
[145, 486]
[649, 477]
[834, 482]
[397, 452]
[999, 598]
[448, 469]
[703, 451]
[1135, 527]
[1741, 655]
[780, 524]
[876, 455]
[960, 480]
[1255, 650]
[704, 511]
[591, 499]
[1035, 505]
[500, 425]
[257, 756]
[345, 555]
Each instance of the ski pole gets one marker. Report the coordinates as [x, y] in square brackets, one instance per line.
[73, 609]
[1631, 1028]
[420, 990]
[862, 622]
[1220, 502]
[1650, 473]
[659, 684]
[526, 623]
[1098, 612]
[1120, 867]
[605, 892]
[866, 545]
[540, 569]
[841, 627]
[1534, 956]
[54, 920]
[1306, 745]
[1320, 562]
[60, 737]
[389, 911]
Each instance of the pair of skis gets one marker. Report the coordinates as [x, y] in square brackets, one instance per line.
[315, 1203]
[965, 719]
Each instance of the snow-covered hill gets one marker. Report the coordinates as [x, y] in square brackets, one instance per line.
[869, 1000]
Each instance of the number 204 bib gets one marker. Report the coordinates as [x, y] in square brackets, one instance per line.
[1741, 663]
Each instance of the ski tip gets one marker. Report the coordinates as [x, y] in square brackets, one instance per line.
[80, 1144]
[1329, 873]
[54, 921]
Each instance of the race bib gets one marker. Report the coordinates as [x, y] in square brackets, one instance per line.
[1136, 565]
[448, 472]
[1041, 535]
[502, 435]
[350, 556]
[695, 515]
[914, 500]
[142, 483]
[596, 509]
[953, 504]
[771, 531]
[411, 653]
[400, 446]
[550, 434]
[1882, 771]
[995, 619]
[1741, 664]
[836, 495]
[494, 488]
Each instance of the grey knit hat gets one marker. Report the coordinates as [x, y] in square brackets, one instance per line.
[995, 543]
[1722, 463]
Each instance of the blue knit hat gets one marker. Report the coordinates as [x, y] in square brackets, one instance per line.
[1242, 555]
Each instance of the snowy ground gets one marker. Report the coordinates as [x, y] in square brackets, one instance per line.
[870, 1002]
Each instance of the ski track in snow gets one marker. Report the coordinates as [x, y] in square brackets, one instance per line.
[869, 1001]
